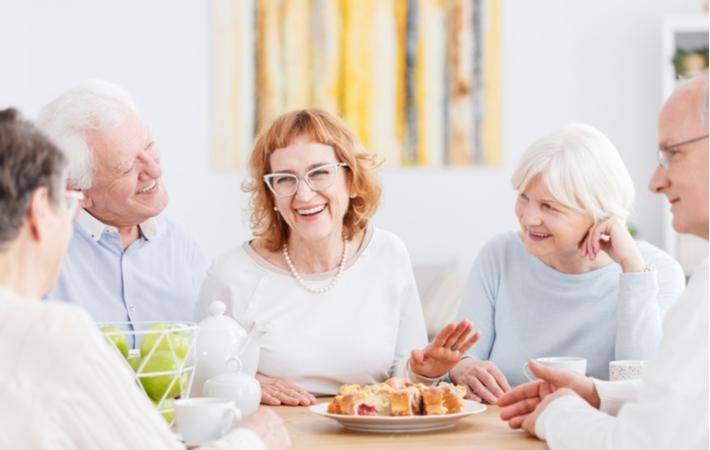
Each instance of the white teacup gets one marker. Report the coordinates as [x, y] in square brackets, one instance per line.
[628, 369]
[571, 363]
[205, 419]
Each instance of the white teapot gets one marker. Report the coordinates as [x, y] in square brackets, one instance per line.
[220, 341]
[237, 386]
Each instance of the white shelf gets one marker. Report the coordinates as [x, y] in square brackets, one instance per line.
[686, 31]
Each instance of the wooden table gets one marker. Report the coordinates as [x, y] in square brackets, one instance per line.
[479, 431]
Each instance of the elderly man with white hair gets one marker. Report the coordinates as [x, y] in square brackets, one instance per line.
[126, 262]
[572, 281]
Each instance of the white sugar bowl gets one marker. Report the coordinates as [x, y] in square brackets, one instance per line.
[237, 386]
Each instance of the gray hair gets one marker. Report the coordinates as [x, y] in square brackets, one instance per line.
[28, 161]
[92, 105]
[582, 169]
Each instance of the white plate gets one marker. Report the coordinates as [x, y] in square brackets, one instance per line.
[403, 424]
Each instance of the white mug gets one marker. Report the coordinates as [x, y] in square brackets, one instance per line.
[570, 363]
[626, 369]
[204, 419]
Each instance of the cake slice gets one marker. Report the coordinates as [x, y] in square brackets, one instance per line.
[433, 401]
[452, 397]
[358, 403]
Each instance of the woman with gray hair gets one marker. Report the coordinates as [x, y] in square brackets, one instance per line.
[572, 281]
[62, 386]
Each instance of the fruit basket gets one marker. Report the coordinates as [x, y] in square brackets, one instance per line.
[161, 356]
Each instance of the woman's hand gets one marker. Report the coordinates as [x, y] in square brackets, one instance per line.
[612, 237]
[269, 427]
[483, 379]
[519, 407]
[275, 391]
[442, 354]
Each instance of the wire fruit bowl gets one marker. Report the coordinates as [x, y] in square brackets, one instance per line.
[161, 356]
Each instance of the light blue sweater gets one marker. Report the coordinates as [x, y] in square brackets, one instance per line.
[526, 309]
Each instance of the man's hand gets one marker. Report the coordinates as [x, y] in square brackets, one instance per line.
[521, 402]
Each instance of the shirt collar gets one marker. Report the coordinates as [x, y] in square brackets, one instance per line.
[96, 228]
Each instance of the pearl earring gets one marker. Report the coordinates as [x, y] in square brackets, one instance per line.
[275, 208]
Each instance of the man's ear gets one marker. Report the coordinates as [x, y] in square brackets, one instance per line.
[87, 202]
[37, 214]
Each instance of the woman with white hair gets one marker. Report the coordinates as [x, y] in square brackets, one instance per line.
[572, 281]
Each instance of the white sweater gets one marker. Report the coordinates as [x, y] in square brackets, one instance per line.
[63, 387]
[670, 410]
[361, 331]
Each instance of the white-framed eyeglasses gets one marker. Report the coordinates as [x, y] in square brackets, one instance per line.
[318, 179]
[72, 199]
[665, 153]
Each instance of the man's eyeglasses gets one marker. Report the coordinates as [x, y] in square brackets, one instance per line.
[72, 199]
[666, 153]
[318, 179]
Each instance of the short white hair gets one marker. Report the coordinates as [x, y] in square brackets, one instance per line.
[92, 105]
[582, 169]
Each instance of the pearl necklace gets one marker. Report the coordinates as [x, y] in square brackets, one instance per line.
[319, 290]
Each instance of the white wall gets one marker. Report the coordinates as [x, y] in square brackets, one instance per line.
[563, 61]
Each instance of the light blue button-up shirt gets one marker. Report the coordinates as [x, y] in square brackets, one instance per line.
[157, 278]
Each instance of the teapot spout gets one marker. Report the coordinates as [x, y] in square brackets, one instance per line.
[253, 338]
[250, 349]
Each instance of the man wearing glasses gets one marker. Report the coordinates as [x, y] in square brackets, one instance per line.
[125, 263]
[668, 408]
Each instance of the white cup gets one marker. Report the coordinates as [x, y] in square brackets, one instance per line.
[628, 369]
[205, 419]
[570, 363]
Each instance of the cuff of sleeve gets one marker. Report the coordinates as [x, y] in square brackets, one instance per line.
[545, 419]
[613, 394]
[630, 282]
[421, 378]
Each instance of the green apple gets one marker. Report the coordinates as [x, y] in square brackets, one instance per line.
[177, 338]
[134, 361]
[156, 385]
[167, 404]
[115, 337]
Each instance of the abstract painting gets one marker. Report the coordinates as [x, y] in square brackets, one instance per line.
[417, 80]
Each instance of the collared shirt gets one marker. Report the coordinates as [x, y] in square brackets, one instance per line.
[157, 278]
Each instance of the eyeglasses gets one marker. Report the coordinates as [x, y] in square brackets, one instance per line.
[318, 179]
[72, 199]
[666, 153]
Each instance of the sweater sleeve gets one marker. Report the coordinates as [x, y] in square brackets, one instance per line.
[478, 301]
[643, 299]
[614, 394]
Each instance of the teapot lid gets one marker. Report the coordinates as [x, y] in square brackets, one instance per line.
[219, 322]
[233, 375]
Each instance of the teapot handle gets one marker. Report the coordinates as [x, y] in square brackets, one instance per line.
[234, 364]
